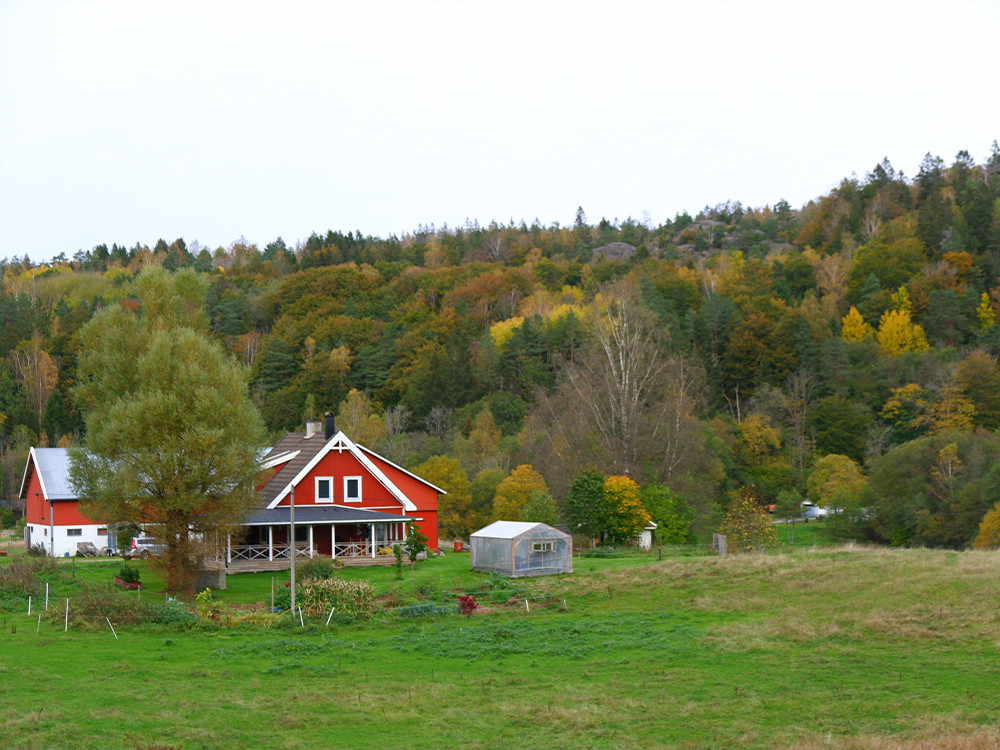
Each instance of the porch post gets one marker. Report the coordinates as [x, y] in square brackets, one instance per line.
[333, 540]
[373, 539]
[310, 541]
[229, 549]
[270, 543]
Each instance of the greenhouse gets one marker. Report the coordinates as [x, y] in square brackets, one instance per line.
[515, 548]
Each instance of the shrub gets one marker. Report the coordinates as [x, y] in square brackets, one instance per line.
[38, 550]
[320, 567]
[424, 610]
[467, 604]
[283, 598]
[127, 574]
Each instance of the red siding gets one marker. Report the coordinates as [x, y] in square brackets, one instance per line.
[374, 495]
[37, 507]
[420, 493]
[337, 465]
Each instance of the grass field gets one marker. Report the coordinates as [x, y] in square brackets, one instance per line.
[822, 647]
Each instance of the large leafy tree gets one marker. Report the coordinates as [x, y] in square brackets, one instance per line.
[934, 490]
[172, 436]
[514, 492]
[668, 510]
[456, 518]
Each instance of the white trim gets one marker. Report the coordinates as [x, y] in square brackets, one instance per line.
[316, 498]
[397, 466]
[340, 442]
[281, 458]
[348, 498]
[24, 479]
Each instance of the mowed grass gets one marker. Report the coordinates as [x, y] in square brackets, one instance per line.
[831, 647]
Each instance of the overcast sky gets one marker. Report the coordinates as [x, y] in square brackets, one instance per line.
[132, 121]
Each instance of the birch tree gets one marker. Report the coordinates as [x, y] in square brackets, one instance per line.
[38, 373]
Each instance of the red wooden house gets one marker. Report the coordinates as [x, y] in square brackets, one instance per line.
[349, 503]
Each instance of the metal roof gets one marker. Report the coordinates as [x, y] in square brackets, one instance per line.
[324, 514]
[512, 529]
[52, 465]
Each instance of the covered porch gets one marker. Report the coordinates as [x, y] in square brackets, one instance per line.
[351, 535]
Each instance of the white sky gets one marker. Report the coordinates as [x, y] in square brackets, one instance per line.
[130, 121]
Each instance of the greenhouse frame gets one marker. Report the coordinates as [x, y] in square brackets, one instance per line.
[516, 548]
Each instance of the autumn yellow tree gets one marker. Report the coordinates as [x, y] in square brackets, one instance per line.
[624, 515]
[989, 530]
[950, 411]
[746, 526]
[833, 479]
[984, 313]
[898, 334]
[905, 411]
[515, 490]
[854, 328]
[454, 517]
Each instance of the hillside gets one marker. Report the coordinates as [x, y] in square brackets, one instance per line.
[844, 350]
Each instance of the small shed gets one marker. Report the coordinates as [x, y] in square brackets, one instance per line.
[517, 548]
[646, 537]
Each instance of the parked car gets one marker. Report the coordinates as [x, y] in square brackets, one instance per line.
[811, 510]
[147, 546]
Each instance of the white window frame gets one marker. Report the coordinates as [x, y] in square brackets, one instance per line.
[329, 481]
[542, 547]
[348, 498]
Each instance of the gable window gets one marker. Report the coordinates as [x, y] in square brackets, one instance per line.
[541, 546]
[352, 489]
[324, 489]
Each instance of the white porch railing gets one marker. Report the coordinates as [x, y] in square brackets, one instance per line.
[362, 549]
[252, 552]
[261, 552]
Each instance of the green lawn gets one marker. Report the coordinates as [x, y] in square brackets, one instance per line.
[813, 648]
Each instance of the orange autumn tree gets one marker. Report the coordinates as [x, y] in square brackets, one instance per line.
[989, 530]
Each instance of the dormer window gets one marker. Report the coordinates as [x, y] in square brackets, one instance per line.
[352, 489]
[324, 489]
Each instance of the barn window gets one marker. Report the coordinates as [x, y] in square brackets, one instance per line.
[352, 489]
[324, 489]
[103, 531]
[541, 546]
[74, 532]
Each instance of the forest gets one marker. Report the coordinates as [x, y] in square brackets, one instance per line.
[844, 351]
